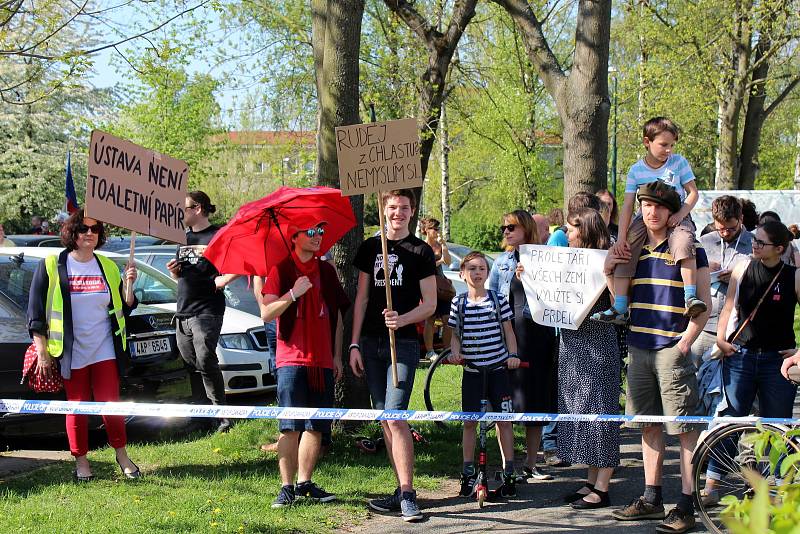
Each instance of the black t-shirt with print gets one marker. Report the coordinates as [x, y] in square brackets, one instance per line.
[197, 293]
[410, 260]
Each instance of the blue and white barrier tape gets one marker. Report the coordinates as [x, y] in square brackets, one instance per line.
[343, 414]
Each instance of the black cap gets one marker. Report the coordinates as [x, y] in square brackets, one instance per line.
[660, 193]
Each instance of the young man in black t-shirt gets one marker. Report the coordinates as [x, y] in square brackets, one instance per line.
[411, 278]
[201, 303]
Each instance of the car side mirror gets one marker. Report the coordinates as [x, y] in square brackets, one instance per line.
[454, 266]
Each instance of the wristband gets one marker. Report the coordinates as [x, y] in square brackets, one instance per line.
[354, 346]
[291, 294]
[512, 355]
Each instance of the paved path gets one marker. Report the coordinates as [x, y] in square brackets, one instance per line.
[15, 463]
[538, 506]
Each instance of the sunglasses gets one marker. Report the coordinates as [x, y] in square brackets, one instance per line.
[509, 227]
[757, 243]
[95, 228]
[311, 232]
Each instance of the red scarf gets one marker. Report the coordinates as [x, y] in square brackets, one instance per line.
[309, 311]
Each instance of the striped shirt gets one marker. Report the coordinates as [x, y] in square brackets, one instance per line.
[482, 340]
[675, 172]
[657, 299]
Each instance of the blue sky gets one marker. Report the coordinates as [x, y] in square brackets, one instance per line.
[106, 73]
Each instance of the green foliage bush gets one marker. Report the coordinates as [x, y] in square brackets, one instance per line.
[771, 509]
[478, 235]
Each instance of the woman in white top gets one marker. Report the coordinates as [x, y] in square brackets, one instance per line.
[92, 338]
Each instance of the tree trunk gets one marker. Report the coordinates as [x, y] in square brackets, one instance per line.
[336, 35]
[441, 46]
[797, 158]
[581, 97]
[732, 100]
[444, 141]
[641, 71]
[755, 117]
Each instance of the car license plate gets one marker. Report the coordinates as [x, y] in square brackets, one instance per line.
[148, 347]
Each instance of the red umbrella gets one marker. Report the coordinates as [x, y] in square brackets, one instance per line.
[258, 236]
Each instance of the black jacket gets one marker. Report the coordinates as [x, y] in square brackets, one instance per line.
[37, 313]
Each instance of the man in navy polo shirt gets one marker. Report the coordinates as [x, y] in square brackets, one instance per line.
[661, 375]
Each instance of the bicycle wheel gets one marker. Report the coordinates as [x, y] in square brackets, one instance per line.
[730, 451]
[429, 381]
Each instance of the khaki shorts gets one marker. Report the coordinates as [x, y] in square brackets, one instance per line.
[681, 244]
[661, 382]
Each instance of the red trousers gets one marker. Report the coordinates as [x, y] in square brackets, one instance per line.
[101, 381]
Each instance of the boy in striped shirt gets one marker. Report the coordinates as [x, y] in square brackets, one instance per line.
[481, 320]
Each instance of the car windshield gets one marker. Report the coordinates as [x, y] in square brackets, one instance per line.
[15, 279]
[151, 286]
[238, 293]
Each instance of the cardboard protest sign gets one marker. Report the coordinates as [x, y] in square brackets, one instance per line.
[378, 156]
[136, 188]
[562, 284]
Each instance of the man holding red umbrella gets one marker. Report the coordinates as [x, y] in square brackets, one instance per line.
[305, 295]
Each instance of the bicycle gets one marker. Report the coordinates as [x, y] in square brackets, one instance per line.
[735, 449]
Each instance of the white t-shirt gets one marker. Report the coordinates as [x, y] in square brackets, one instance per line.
[91, 324]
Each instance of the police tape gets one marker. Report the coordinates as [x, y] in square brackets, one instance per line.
[23, 406]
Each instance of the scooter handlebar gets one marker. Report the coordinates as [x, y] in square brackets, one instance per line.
[522, 365]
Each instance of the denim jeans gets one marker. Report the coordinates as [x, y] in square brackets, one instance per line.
[294, 392]
[377, 360]
[272, 343]
[197, 339]
[745, 375]
[550, 437]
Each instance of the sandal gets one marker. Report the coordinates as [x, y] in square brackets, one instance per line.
[82, 478]
[576, 496]
[612, 316]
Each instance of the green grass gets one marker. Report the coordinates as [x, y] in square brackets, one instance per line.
[220, 483]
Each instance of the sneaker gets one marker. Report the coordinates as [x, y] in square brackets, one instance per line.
[639, 509]
[677, 522]
[551, 459]
[468, 484]
[390, 503]
[285, 497]
[709, 498]
[507, 489]
[408, 506]
[312, 492]
[224, 426]
[533, 473]
[612, 316]
[431, 355]
[694, 307]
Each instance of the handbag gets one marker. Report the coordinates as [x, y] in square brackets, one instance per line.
[36, 382]
[445, 291]
[738, 332]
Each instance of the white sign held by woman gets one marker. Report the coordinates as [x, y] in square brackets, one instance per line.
[561, 283]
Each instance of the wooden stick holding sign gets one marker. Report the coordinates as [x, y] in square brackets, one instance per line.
[387, 287]
[129, 284]
[375, 157]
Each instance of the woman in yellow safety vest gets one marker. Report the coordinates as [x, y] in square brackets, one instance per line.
[76, 316]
